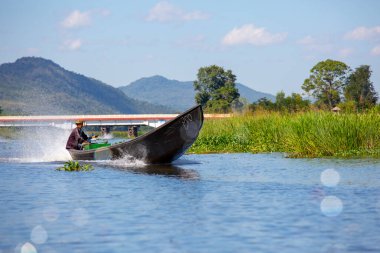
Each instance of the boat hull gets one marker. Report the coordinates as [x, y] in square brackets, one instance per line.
[162, 145]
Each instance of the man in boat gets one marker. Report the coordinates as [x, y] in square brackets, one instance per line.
[77, 138]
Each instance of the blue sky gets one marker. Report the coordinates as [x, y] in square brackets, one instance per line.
[269, 45]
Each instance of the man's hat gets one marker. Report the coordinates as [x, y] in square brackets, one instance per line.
[79, 121]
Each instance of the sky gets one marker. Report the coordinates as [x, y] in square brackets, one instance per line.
[269, 45]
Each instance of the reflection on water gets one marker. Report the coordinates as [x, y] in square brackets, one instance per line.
[130, 164]
[163, 170]
[202, 203]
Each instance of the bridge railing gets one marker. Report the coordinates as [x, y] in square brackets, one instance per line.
[67, 121]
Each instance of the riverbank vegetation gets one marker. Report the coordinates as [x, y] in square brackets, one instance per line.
[305, 134]
[340, 118]
[330, 85]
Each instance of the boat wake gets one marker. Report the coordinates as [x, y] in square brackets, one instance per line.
[124, 162]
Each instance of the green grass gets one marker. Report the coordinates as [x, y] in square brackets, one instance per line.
[310, 134]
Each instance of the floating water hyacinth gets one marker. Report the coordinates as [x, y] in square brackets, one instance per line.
[75, 166]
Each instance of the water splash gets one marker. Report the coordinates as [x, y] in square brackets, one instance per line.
[127, 161]
[43, 145]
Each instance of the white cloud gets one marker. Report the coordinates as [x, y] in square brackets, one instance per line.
[166, 12]
[250, 34]
[376, 51]
[308, 40]
[364, 33]
[316, 45]
[77, 19]
[345, 52]
[72, 45]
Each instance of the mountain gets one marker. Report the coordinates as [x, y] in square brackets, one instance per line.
[253, 95]
[36, 86]
[160, 90]
[176, 94]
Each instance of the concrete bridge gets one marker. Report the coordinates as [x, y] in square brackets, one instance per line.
[67, 121]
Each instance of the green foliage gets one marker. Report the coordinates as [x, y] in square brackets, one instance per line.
[360, 88]
[75, 166]
[348, 106]
[375, 109]
[215, 89]
[1, 110]
[293, 103]
[326, 82]
[310, 134]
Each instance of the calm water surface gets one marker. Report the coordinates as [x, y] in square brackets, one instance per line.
[204, 203]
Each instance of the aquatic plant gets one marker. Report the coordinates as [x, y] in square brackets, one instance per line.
[75, 166]
[308, 134]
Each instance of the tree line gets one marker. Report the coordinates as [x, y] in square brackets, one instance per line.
[330, 84]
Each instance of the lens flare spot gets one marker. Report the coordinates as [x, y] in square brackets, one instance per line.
[331, 206]
[330, 178]
[38, 235]
[51, 213]
[28, 248]
[80, 217]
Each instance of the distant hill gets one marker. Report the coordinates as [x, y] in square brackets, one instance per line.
[176, 94]
[160, 90]
[253, 95]
[38, 86]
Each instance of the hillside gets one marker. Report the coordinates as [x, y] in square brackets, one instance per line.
[176, 94]
[160, 90]
[38, 86]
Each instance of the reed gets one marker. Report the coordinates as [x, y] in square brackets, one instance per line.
[309, 134]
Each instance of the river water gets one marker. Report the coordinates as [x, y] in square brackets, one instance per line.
[203, 203]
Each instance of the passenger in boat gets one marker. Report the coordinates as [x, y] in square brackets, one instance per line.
[77, 138]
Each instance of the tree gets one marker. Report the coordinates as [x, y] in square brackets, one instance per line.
[1, 110]
[296, 103]
[326, 82]
[215, 88]
[360, 89]
[293, 103]
[281, 102]
[262, 103]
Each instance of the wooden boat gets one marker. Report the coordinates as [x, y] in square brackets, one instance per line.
[161, 145]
